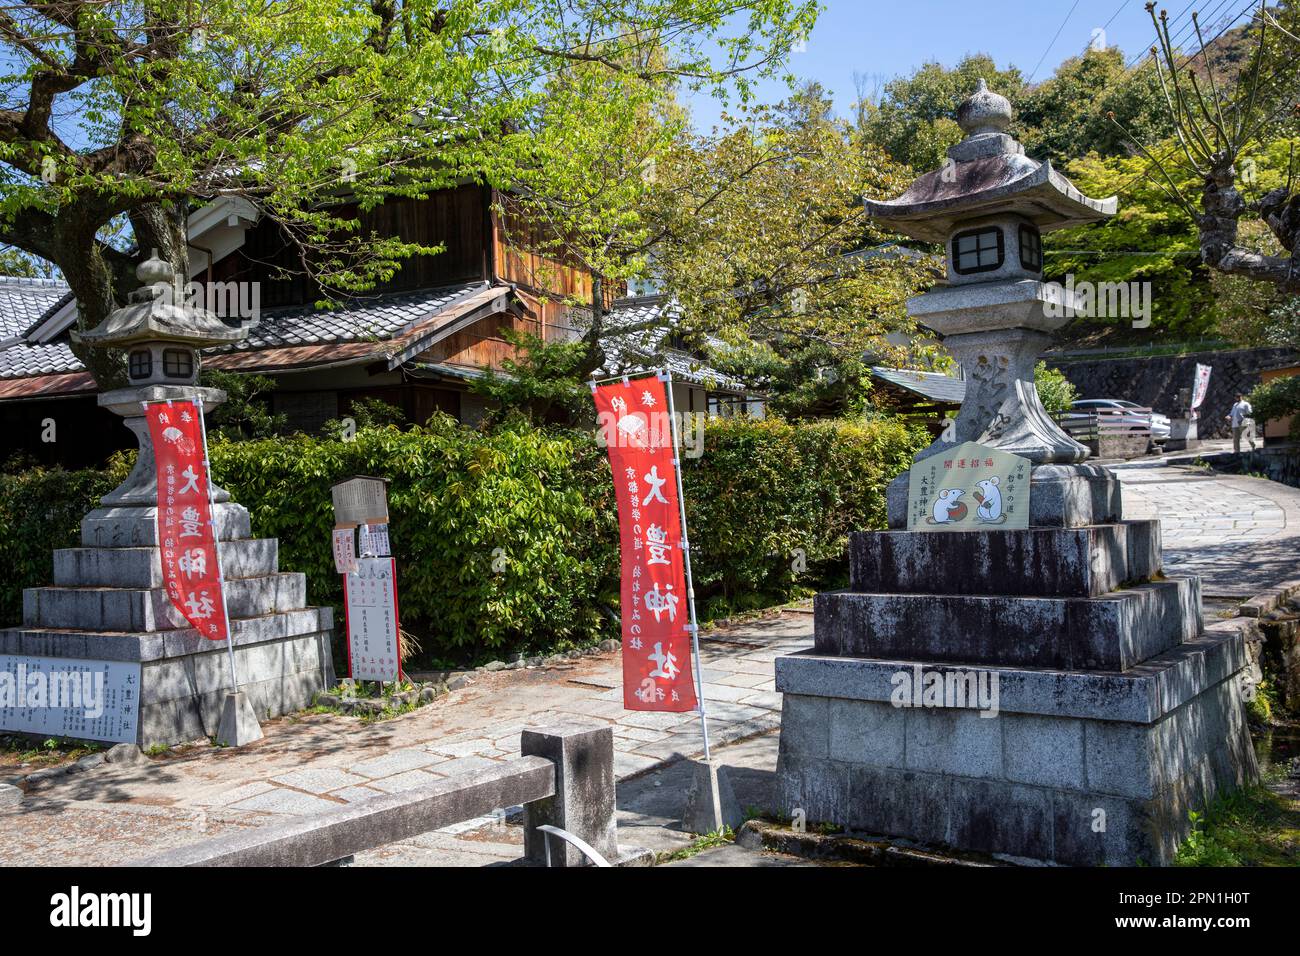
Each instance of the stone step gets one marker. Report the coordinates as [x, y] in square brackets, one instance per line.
[156, 645]
[1113, 632]
[141, 567]
[150, 609]
[1044, 562]
[138, 527]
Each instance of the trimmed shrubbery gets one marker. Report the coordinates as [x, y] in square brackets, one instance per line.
[506, 539]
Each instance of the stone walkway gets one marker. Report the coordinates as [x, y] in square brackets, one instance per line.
[315, 762]
[1240, 534]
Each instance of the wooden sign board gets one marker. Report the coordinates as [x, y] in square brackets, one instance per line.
[360, 501]
[970, 487]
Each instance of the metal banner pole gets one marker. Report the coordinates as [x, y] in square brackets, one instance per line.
[667, 378]
[216, 545]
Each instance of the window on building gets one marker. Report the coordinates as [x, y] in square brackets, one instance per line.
[140, 364]
[977, 250]
[178, 363]
[1031, 248]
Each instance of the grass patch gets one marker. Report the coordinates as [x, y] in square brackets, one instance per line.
[19, 749]
[707, 842]
[1255, 826]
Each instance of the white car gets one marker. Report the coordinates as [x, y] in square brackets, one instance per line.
[1125, 412]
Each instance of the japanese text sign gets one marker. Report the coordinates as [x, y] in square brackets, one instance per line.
[187, 540]
[633, 415]
[360, 501]
[370, 594]
[970, 487]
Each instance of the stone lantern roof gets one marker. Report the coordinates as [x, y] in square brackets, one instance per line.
[986, 173]
[152, 314]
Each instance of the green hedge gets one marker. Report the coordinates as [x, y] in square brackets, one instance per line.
[506, 540]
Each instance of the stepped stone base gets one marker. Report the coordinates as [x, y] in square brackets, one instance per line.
[108, 604]
[1075, 768]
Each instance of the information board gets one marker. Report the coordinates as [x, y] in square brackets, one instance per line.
[69, 697]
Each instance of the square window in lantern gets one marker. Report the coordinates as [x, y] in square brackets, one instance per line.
[1031, 248]
[141, 364]
[178, 363]
[978, 250]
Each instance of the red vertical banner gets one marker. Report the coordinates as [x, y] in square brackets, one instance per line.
[634, 420]
[187, 539]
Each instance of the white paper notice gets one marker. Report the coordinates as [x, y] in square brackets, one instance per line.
[372, 619]
[66, 697]
[345, 551]
[374, 540]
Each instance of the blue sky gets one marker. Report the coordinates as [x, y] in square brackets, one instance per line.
[892, 37]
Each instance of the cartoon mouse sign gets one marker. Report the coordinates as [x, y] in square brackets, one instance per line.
[970, 487]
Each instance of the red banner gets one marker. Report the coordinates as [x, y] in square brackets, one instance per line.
[635, 422]
[187, 540]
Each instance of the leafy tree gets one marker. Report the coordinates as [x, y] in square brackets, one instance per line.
[1068, 116]
[1279, 398]
[244, 414]
[913, 121]
[1217, 123]
[138, 110]
[765, 246]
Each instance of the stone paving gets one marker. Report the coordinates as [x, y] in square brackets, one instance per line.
[1240, 534]
[316, 762]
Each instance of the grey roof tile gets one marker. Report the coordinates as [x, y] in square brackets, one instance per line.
[23, 360]
[23, 302]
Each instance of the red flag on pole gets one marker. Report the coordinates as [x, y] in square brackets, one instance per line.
[187, 539]
[634, 418]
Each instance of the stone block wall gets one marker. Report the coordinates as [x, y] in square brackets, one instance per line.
[1155, 381]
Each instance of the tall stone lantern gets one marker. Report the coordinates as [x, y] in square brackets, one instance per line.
[108, 611]
[1043, 692]
[989, 205]
[161, 338]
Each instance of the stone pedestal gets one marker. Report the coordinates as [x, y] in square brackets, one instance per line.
[1081, 708]
[108, 603]
[1183, 435]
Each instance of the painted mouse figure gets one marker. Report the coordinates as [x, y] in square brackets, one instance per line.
[945, 504]
[990, 506]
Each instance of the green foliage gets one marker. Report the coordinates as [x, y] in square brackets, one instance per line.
[1054, 389]
[376, 413]
[41, 509]
[1279, 398]
[543, 380]
[1253, 826]
[506, 539]
[765, 493]
[242, 415]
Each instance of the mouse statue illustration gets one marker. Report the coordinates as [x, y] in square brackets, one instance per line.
[947, 508]
[990, 501]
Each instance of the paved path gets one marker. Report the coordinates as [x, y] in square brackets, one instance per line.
[1240, 534]
[314, 762]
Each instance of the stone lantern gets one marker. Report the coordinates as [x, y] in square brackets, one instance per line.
[1118, 709]
[161, 338]
[108, 609]
[989, 205]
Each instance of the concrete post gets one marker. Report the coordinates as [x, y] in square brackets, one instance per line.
[584, 803]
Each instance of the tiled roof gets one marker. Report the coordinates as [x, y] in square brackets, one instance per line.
[24, 301]
[630, 348]
[932, 385]
[23, 360]
[376, 319]
[364, 319]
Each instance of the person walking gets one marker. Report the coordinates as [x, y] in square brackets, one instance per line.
[1241, 423]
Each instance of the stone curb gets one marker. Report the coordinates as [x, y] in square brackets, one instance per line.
[84, 765]
[1269, 600]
